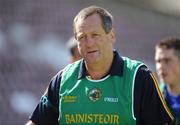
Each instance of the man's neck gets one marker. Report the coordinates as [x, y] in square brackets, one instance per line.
[99, 69]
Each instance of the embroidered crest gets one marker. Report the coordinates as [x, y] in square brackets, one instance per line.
[94, 94]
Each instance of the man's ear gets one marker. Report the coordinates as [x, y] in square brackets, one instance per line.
[113, 35]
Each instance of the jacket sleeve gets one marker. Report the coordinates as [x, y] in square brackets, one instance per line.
[150, 107]
[47, 110]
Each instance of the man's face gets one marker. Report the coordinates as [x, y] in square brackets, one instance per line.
[94, 43]
[167, 65]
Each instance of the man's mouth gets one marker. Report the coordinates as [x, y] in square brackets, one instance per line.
[92, 51]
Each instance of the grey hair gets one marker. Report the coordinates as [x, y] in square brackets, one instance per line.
[106, 17]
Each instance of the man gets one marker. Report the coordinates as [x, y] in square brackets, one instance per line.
[102, 88]
[73, 49]
[167, 58]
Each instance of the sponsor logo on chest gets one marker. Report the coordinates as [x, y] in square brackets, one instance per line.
[110, 99]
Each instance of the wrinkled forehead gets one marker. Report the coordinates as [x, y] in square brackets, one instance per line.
[90, 24]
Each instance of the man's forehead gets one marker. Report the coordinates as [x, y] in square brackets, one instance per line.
[163, 50]
[88, 25]
[163, 53]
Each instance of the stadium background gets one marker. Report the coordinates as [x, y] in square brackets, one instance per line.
[33, 36]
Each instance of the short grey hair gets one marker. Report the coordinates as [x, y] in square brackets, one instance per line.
[106, 17]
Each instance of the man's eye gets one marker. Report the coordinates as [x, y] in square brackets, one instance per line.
[81, 37]
[166, 60]
[158, 61]
[95, 35]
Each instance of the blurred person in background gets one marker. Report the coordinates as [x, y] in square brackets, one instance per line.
[73, 49]
[103, 87]
[167, 59]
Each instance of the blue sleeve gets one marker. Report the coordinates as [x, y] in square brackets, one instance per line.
[47, 111]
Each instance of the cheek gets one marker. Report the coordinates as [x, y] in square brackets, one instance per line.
[176, 69]
[81, 49]
[158, 68]
[106, 44]
[157, 65]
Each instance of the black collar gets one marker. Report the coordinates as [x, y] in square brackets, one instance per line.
[116, 67]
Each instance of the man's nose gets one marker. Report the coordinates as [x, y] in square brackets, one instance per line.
[89, 41]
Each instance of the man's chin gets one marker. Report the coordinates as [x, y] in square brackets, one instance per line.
[166, 81]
